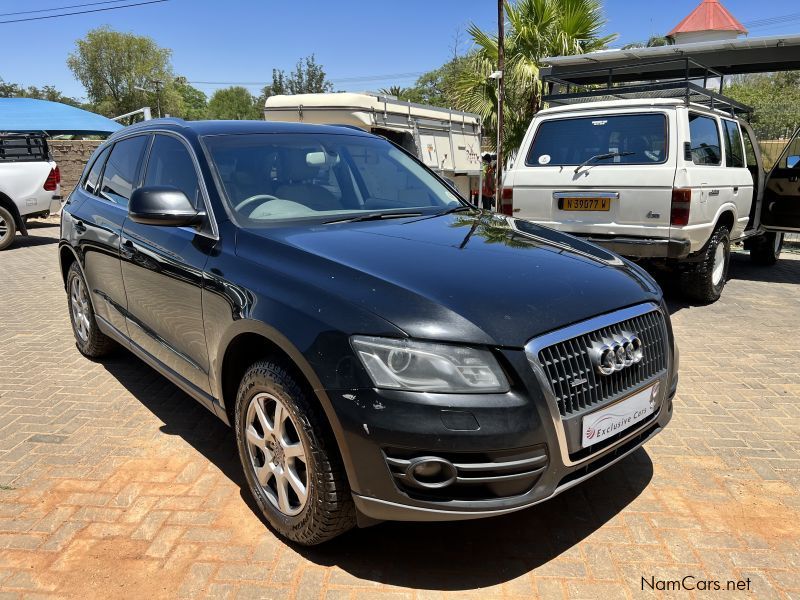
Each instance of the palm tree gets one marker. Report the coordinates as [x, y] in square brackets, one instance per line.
[394, 90]
[535, 29]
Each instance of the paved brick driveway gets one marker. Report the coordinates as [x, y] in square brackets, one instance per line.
[113, 482]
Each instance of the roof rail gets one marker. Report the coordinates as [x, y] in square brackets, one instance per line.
[692, 86]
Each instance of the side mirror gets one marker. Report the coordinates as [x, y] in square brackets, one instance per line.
[791, 161]
[161, 205]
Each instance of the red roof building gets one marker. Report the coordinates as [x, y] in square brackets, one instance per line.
[709, 21]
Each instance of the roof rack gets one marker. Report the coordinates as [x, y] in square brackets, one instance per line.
[691, 86]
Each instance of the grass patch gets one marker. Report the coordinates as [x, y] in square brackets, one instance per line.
[6, 488]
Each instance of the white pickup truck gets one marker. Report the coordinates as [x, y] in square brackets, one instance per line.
[30, 183]
[657, 180]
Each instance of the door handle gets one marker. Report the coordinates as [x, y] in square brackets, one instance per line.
[736, 189]
[793, 178]
[127, 249]
[80, 227]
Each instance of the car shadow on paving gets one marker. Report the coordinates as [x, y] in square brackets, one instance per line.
[28, 241]
[443, 556]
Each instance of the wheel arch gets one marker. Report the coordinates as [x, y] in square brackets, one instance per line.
[9, 204]
[248, 341]
[727, 217]
[67, 256]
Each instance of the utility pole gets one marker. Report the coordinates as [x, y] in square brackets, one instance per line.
[158, 85]
[501, 20]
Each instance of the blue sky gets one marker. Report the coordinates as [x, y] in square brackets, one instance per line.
[359, 43]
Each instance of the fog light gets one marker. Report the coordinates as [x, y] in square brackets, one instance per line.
[431, 472]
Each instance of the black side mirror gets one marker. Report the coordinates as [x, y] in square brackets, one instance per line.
[161, 205]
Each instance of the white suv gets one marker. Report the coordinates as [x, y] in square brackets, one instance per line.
[660, 180]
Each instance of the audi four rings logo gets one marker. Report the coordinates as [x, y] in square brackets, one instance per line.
[614, 355]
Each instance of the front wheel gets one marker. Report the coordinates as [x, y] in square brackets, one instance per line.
[705, 281]
[768, 250]
[290, 459]
[8, 228]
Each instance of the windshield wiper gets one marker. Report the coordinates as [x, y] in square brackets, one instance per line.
[374, 217]
[604, 156]
[453, 209]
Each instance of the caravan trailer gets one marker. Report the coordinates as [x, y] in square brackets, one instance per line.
[447, 141]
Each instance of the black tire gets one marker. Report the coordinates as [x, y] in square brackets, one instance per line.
[88, 338]
[699, 282]
[767, 250]
[328, 510]
[8, 228]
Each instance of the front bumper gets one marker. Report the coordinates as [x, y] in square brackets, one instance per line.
[484, 433]
[644, 247]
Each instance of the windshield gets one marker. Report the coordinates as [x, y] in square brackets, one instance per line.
[630, 139]
[276, 177]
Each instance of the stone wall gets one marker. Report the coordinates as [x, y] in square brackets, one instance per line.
[71, 156]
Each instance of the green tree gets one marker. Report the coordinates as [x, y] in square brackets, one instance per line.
[114, 67]
[775, 99]
[195, 102]
[307, 78]
[394, 90]
[535, 29]
[653, 40]
[438, 87]
[47, 92]
[235, 103]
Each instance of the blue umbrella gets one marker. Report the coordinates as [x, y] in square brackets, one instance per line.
[54, 118]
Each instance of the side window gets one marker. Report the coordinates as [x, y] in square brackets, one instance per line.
[93, 178]
[790, 159]
[733, 144]
[122, 169]
[704, 138]
[171, 165]
[749, 151]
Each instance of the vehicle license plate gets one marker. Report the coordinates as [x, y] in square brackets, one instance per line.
[618, 417]
[586, 204]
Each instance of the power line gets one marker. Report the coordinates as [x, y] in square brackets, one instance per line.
[360, 79]
[81, 12]
[41, 10]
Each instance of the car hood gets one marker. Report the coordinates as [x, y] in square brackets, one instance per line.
[471, 277]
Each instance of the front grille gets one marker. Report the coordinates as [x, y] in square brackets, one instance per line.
[568, 361]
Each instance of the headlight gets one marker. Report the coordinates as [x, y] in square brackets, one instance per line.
[426, 367]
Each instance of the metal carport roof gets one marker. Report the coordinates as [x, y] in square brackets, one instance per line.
[727, 57]
[54, 118]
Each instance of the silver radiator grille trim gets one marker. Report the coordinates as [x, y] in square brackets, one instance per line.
[536, 345]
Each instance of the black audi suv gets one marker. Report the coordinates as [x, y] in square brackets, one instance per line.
[382, 349]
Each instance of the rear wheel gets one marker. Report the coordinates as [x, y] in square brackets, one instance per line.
[767, 251]
[8, 228]
[90, 340]
[705, 280]
[290, 458]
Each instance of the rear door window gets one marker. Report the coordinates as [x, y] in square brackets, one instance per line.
[704, 139]
[733, 144]
[171, 165]
[636, 139]
[93, 178]
[122, 169]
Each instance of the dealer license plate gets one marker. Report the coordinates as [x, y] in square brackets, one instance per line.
[618, 417]
[586, 204]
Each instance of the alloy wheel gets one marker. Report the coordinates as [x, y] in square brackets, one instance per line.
[3, 228]
[79, 302]
[277, 454]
